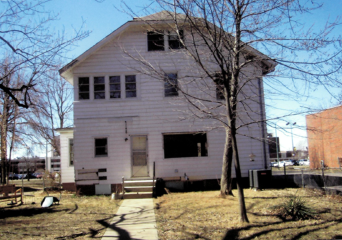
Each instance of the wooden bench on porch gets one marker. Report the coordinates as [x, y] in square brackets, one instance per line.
[9, 192]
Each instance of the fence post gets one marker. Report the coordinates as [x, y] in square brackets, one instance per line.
[303, 185]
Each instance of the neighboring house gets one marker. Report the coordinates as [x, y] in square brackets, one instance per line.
[324, 130]
[126, 121]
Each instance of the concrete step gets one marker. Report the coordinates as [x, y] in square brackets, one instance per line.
[137, 195]
[138, 188]
[130, 182]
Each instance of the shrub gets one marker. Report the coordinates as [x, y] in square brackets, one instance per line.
[296, 208]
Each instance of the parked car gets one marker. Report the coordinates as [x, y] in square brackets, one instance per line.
[13, 176]
[38, 175]
[304, 162]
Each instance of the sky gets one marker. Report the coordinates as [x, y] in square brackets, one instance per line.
[101, 18]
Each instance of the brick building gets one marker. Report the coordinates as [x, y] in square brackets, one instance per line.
[324, 131]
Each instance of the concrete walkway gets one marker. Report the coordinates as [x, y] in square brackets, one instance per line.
[135, 219]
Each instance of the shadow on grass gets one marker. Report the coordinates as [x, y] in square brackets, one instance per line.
[27, 212]
[234, 233]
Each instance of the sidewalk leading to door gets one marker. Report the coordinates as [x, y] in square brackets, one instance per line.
[135, 219]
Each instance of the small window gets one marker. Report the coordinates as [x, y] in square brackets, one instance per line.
[71, 152]
[174, 40]
[219, 87]
[171, 85]
[101, 147]
[185, 145]
[114, 86]
[83, 88]
[99, 88]
[131, 86]
[155, 41]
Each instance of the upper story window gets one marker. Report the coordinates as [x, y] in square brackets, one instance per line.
[101, 147]
[114, 86]
[130, 86]
[174, 40]
[155, 41]
[99, 88]
[83, 88]
[171, 85]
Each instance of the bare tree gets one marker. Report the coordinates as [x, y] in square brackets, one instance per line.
[52, 109]
[9, 116]
[25, 34]
[221, 37]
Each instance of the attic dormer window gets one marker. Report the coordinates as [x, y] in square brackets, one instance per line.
[155, 41]
[175, 40]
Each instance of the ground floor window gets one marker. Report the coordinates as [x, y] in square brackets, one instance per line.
[185, 145]
[101, 147]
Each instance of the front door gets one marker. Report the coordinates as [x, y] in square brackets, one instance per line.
[139, 156]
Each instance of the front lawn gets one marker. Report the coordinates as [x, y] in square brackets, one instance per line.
[205, 215]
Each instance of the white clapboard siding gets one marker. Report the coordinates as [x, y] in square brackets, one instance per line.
[67, 170]
[151, 114]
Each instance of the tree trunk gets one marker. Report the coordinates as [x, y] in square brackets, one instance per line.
[226, 176]
[3, 140]
[242, 205]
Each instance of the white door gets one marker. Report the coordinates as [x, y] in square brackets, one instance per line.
[139, 156]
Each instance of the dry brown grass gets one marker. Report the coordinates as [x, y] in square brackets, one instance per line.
[205, 215]
[75, 217]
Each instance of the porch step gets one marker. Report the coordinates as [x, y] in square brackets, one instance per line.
[138, 188]
[138, 182]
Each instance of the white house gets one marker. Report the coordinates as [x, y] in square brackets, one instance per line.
[126, 120]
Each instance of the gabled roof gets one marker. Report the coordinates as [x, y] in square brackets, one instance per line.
[163, 16]
[160, 16]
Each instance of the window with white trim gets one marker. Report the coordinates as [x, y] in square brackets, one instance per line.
[99, 88]
[83, 88]
[130, 86]
[171, 85]
[114, 87]
[101, 148]
[155, 41]
[185, 145]
[175, 39]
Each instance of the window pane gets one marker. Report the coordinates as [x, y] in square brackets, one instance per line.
[130, 86]
[84, 80]
[83, 96]
[99, 87]
[84, 88]
[99, 80]
[114, 79]
[130, 78]
[115, 95]
[115, 87]
[130, 94]
[99, 95]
